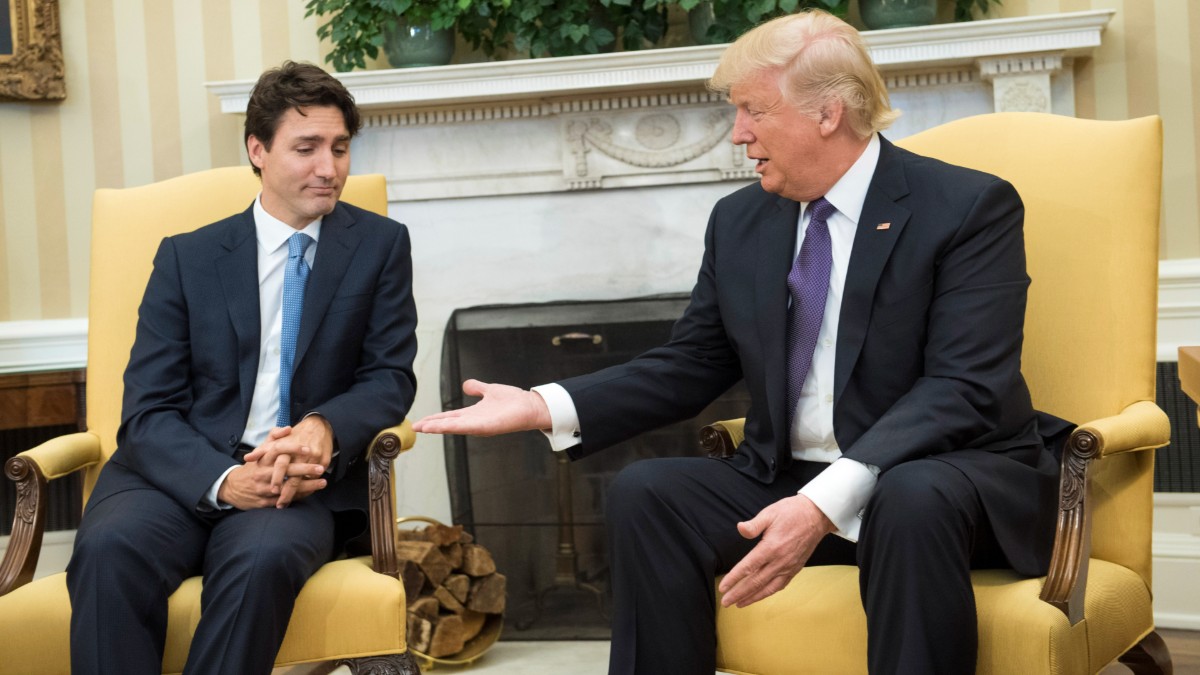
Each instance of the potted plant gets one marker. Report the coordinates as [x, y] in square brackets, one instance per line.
[411, 32]
[569, 27]
[716, 21]
[963, 9]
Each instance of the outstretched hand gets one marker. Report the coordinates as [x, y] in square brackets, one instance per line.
[503, 409]
[791, 529]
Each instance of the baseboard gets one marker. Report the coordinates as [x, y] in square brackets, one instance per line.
[56, 551]
[1177, 560]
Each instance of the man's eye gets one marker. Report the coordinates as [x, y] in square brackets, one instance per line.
[340, 152]
[304, 151]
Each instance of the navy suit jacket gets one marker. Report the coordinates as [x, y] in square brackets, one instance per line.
[928, 352]
[194, 362]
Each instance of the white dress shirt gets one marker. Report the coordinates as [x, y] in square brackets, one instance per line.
[841, 490]
[272, 235]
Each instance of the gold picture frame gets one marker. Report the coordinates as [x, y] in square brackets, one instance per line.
[31, 56]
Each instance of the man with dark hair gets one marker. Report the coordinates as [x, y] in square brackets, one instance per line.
[872, 300]
[248, 405]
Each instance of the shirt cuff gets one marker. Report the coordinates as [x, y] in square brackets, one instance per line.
[564, 421]
[841, 492]
[210, 499]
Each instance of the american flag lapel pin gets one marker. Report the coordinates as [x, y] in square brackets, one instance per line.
[883, 226]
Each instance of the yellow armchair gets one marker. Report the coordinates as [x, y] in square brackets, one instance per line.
[1091, 191]
[351, 611]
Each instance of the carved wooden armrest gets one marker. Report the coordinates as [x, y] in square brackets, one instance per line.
[31, 470]
[388, 445]
[1141, 426]
[720, 439]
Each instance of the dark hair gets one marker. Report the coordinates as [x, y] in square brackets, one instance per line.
[291, 86]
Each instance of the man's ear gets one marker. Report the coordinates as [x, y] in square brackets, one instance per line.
[255, 150]
[832, 112]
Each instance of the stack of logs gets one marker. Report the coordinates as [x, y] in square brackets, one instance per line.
[451, 585]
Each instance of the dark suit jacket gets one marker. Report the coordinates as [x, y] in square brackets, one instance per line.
[928, 349]
[193, 365]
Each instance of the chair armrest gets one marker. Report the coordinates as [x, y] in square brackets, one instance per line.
[388, 445]
[31, 470]
[721, 439]
[1140, 426]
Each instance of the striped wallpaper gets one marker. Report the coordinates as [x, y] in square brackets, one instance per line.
[137, 112]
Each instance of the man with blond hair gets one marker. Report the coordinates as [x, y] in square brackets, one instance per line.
[873, 302]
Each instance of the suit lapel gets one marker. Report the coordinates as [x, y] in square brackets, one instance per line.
[334, 252]
[776, 241]
[870, 253]
[238, 272]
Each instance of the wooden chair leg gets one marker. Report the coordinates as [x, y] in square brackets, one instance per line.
[1149, 657]
[389, 664]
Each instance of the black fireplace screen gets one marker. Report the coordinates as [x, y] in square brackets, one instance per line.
[540, 515]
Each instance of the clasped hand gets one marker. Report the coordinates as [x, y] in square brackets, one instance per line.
[289, 465]
[791, 529]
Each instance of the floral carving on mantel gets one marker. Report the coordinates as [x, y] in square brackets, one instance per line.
[656, 137]
[34, 70]
[1024, 96]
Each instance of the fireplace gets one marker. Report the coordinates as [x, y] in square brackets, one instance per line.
[541, 515]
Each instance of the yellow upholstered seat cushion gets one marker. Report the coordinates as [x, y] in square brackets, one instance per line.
[367, 608]
[816, 625]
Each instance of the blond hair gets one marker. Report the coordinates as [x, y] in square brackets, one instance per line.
[819, 57]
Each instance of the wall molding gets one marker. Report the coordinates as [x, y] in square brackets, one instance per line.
[1176, 551]
[56, 552]
[32, 346]
[61, 344]
[1178, 306]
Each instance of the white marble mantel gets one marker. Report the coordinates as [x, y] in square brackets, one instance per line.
[645, 118]
[592, 177]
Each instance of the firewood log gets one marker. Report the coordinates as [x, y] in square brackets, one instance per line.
[447, 636]
[487, 594]
[477, 561]
[427, 555]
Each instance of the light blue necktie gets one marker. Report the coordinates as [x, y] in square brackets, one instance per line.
[295, 279]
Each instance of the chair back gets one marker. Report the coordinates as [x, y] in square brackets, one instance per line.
[1091, 191]
[127, 227]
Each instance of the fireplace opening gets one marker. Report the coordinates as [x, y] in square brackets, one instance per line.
[541, 515]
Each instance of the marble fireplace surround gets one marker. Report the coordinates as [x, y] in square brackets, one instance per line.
[592, 177]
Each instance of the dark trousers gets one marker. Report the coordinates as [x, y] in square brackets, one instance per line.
[135, 547]
[672, 529]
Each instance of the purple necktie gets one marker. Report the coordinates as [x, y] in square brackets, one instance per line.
[808, 283]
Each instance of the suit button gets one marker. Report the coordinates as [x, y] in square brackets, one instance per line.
[772, 464]
[232, 441]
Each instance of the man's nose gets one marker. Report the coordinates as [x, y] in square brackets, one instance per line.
[324, 164]
[741, 131]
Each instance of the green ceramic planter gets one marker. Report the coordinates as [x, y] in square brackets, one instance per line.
[880, 14]
[412, 45]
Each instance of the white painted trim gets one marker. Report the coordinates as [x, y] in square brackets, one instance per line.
[1178, 306]
[1176, 551]
[534, 80]
[56, 552]
[61, 344]
[30, 346]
